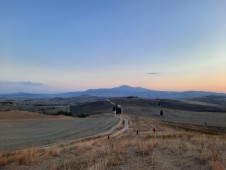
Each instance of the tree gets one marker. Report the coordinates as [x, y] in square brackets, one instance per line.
[119, 110]
[161, 113]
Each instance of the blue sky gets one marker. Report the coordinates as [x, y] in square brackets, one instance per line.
[90, 44]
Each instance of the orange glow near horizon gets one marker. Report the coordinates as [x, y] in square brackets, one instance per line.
[195, 84]
[192, 80]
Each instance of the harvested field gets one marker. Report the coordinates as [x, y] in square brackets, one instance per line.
[20, 115]
[92, 108]
[171, 147]
[27, 129]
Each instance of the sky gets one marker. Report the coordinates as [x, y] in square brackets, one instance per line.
[80, 44]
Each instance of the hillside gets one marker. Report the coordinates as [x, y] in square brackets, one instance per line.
[174, 111]
[219, 100]
[91, 108]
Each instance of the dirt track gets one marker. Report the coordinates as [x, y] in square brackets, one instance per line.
[23, 133]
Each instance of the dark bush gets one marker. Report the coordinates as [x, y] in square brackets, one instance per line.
[161, 113]
[61, 112]
[131, 97]
[82, 115]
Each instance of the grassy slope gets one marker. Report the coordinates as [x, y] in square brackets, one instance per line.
[219, 100]
[22, 129]
[92, 108]
[176, 111]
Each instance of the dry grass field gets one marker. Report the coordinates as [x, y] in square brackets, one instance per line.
[173, 146]
[20, 129]
[20, 115]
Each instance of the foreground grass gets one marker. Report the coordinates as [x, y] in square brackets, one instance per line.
[27, 156]
[168, 148]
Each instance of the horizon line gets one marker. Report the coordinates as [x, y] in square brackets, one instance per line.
[178, 91]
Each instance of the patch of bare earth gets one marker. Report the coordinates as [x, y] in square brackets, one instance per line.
[171, 147]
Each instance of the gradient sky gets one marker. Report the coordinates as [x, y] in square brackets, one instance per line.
[84, 44]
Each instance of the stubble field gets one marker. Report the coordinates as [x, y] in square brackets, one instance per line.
[20, 129]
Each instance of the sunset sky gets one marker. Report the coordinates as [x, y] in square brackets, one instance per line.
[79, 44]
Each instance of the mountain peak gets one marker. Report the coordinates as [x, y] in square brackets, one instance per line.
[124, 86]
[127, 88]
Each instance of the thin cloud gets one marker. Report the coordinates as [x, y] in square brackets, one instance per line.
[153, 73]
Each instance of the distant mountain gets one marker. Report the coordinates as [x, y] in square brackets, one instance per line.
[125, 90]
[25, 95]
[26, 87]
[121, 91]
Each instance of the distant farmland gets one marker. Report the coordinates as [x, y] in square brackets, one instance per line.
[91, 108]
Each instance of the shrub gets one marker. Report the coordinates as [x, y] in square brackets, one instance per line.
[82, 115]
[61, 112]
